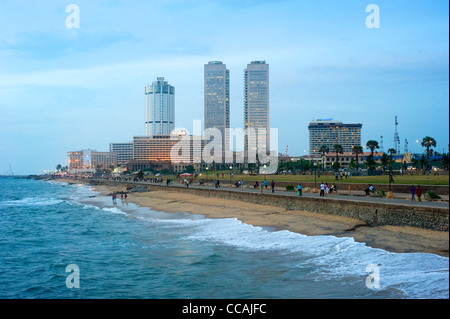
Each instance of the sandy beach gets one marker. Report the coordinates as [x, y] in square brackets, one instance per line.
[390, 238]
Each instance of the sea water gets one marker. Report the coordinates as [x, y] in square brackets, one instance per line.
[60, 240]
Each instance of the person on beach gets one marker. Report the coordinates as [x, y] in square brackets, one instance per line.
[299, 190]
[419, 193]
[413, 192]
[256, 185]
[327, 189]
[125, 195]
[322, 189]
[369, 189]
[273, 186]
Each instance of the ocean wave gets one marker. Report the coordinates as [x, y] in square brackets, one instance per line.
[32, 201]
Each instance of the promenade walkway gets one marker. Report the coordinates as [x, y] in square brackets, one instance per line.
[358, 196]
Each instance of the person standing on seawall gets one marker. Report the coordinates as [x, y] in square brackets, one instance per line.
[322, 189]
[413, 192]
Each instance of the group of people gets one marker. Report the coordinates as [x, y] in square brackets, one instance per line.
[416, 191]
[325, 189]
[123, 195]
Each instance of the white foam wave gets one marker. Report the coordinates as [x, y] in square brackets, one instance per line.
[32, 201]
[417, 275]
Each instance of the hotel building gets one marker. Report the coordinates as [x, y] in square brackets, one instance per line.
[124, 152]
[159, 108]
[329, 133]
[89, 160]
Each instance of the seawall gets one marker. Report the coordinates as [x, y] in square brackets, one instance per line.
[371, 213]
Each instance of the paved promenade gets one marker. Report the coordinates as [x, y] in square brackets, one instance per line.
[399, 198]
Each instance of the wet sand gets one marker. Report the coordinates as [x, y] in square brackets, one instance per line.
[390, 238]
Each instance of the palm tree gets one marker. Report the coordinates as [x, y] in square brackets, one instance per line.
[357, 149]
[323, 150]
[58, 167]
[384, 161]
[372, 145]
[391, 152]
[339, 150]
[428, 142]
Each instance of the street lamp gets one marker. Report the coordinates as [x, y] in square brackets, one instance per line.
[265, 173]
[315, 177]
[231, 167]
[207, 174]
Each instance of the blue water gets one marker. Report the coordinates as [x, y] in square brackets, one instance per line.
[124, 251]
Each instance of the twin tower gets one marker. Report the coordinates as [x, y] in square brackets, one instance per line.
[160, 101]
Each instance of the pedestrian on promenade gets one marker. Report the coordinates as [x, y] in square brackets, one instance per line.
[391, 177]
[322, 189]
[273, 186]
[413, 192]
[299, 190]
[419, 193]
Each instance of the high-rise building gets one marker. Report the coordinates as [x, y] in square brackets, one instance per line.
[217, 99]
[91, 159]
[159, 108]
[328, 132]
[124, 152]
[256, 103]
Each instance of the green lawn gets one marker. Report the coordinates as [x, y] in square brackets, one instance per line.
[384, 179]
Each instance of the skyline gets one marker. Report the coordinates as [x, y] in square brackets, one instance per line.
[66, 89]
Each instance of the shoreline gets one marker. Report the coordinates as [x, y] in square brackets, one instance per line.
[394, 239]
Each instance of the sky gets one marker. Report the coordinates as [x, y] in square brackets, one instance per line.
[66, 89]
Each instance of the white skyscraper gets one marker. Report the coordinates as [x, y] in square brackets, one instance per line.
[159, 108]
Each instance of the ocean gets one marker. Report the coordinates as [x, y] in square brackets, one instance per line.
[60, 240]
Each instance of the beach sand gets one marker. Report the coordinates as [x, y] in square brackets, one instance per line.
[390, 238]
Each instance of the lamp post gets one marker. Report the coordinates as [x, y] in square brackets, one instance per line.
[265, 173]
[315, 177]
[231, 167]
[207, 174]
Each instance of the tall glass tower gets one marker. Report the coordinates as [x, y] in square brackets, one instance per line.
[256, 103]
[217, 99]
[159, 108]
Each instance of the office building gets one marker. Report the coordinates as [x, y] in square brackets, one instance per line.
[217, 99]
[159, 108]
[256, 103]
[328, 132]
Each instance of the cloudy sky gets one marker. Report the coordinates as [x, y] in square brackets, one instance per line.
[64, 89]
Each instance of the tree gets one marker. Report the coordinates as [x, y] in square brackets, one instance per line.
[391, 152]
[189, 169]
[372, 145]
[339, 150]
[357, 149]
[428, 143]
[444, 161]
[384, 161]
[58, 167]
[323, 150]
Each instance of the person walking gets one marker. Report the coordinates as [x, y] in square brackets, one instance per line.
[419, 193]
[413, 192]
[299, 190]
[322, 189]
[391, 177]
[326, 188]
[273, 186]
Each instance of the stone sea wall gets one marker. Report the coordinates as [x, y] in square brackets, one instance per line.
[373, 214]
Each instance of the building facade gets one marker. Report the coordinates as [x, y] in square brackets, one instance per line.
[124, 152]
[329, 133]
[90, 160]
[159, 108]
[256, 104]
[217, 99]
